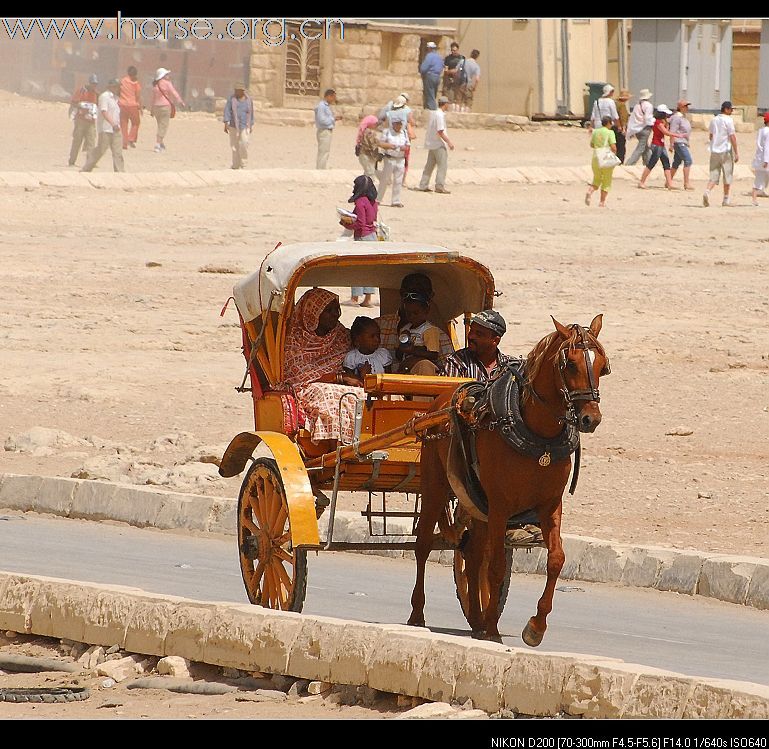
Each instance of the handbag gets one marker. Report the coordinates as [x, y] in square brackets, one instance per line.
[606, 158]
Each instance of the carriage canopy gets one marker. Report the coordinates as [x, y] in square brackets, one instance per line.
[460, 283]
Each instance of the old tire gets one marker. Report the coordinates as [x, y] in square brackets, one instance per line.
[274, 572]
[41, 694]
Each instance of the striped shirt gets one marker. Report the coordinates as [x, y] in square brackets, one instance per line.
[464, 363]
[388, 325]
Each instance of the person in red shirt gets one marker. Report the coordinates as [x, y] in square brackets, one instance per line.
[658, 152]
[82, 111]
[130, 107]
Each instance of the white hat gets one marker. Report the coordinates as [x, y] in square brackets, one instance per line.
[161, 73]
[662, 108]
[431, 44]
[644, 94]
[399, 102]
[405, 95]
[607, 89]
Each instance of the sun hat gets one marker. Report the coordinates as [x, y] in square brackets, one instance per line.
[432, 45]
[492, 320]
[161, 73]
[443, 100]
[644, 94]
[607, 89]
[682, 103]
[624, 94]
[93, 78]
[405, 96]
[663, 108]
[239, 86]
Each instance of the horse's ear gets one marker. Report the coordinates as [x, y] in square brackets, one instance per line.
[563, 330]
[595, 326]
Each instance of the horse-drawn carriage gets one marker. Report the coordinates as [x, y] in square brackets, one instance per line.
[282, 497]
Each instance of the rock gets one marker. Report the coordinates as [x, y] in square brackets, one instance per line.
[10, 634]
[333, 699]
[282, 682]
[299, 687]
[107, 683]
[429, 710]
[92, 657]
[319, 687]
[113, 649]
[680, 432]
[348, 694]
[262, 695]
[42, 441]
[122, 669]
[469, 715]
[174, 665]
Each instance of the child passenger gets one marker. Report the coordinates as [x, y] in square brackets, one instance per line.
[367, 356]
[419, 339]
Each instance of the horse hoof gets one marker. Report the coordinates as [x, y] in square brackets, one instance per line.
[531, 637]
[494, 638]
[478, 634]
[416, 624]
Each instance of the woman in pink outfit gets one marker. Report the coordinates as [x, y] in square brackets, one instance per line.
[165, 99]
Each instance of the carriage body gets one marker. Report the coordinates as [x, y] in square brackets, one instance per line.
[279, 500]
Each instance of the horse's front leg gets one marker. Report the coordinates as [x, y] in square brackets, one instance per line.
[534, 631]
[496, 572]
[474, 554]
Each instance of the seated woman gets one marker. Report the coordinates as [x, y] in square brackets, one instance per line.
[316, 346]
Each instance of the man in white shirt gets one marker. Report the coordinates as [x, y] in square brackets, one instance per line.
[723, 152]
[605, 107]
[394, 142]
[640, 125]
[437, 143]
[108, 129]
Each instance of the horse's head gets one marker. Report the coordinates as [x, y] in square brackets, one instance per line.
[581, 361]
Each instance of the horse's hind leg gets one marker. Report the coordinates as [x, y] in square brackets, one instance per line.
[435, 495]
[534, 631]
[474, 553]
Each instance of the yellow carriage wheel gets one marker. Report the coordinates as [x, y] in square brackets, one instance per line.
[460, 574]
[274, 572]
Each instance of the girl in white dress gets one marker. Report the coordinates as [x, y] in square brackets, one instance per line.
[760, 163]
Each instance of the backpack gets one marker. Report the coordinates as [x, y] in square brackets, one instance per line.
[460, 76]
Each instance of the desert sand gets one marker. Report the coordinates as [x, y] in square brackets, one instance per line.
[117, 364]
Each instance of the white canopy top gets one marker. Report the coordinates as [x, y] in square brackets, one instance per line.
[460, 283]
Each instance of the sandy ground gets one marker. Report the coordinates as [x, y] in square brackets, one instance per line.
[134, 371]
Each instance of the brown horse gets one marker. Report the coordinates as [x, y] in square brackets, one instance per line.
[559, 392]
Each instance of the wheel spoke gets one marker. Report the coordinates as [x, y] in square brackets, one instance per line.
[284, 555]
[272, 505]
[281, 541]
[250, 525]
[279, 521]
[268, 589]
[257, 510]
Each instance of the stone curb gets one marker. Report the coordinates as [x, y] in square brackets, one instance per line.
[532, 175]
[735, 579]
[392, 658]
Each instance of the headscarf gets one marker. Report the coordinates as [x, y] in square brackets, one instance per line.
[363, 186]
[309, 355]
[368, 121]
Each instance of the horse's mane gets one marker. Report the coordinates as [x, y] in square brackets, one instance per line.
[539, 356]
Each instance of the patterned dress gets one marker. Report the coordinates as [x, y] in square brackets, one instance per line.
[309, 356]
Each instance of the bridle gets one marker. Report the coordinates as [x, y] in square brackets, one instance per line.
[590, 394]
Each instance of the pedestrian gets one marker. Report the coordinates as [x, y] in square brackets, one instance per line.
[604, 105]
[602, 137]
[658, 153]
[130, 102]
[438, 144]
[640, 126]
[760, 163]
[466, 90]
[367, 145]
[394, 142]
[325, 119]
[624, 116]
[108, 126]
[363, 227]
[165, 99]
[399, 110]
[451, 66]
[723, 152]
[431, 70]
[238, 124]
[680, 125]
[83, 112]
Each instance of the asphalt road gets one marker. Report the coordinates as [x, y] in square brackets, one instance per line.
[685, 634]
